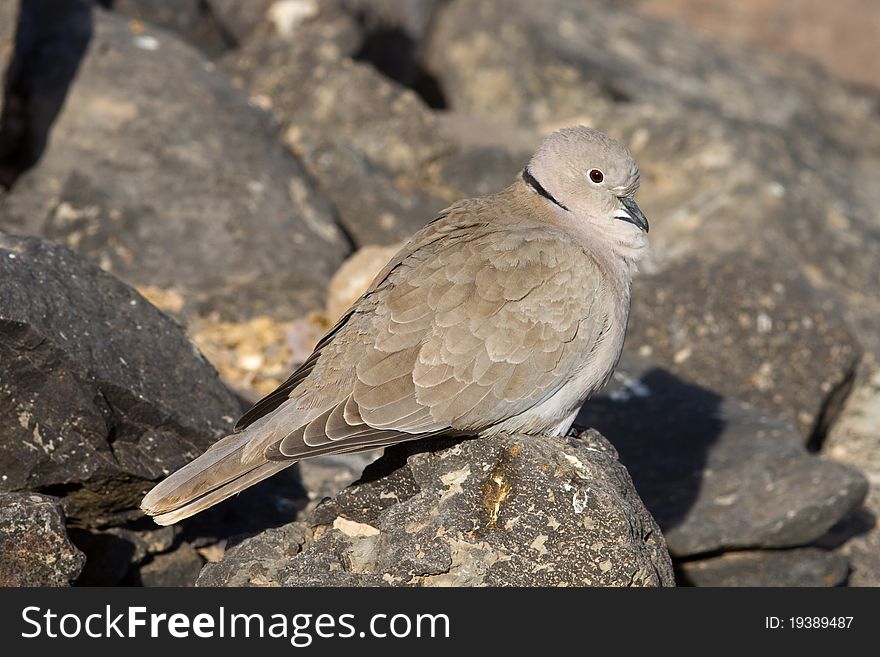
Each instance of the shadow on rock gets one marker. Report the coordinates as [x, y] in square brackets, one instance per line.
[44, 63]
[716, 473]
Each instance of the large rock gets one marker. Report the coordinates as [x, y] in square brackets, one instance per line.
[799, 567]
[100, 393]
[855, 439]
[747, 328]
[502, 511]
[716, 473]
[826, 33]
[42, 63]
[34, 547]
[364, 138]
[163, 173]
[193, 20]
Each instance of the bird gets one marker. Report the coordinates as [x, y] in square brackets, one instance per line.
[500, 316]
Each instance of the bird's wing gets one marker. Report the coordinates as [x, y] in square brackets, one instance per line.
[458, 335]
[467, 327]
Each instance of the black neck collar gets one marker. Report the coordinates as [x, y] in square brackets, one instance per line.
[532, 182]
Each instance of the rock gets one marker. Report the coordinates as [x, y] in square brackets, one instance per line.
[325, 476]
[566, 58]
[34, 547]
[812, 28]
[43, 56]
[799, 567]
[238, 19]
[257, 561]
[355, 276]
[855, 440]
[110, 555]
[750, 329]
[716, 473]
[8, 22]
[193, 20]
[161, 172]
[101, 393]
[502, 511]
[364, 138]
[179, 567]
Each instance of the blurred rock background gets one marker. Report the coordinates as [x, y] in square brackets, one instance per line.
[247, 167]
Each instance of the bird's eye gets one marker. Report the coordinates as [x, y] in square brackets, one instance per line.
[596, 176]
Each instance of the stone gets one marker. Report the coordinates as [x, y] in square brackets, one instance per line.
[716, 473]
[258, 560]
[180, 567]
[854, 439]
[110, 555]
[41, 47]
[501, 511]
[354, 277]
[164, 174]
[325, 476]
[798, 567]
[238, 19]
[100, 393]
[825, 33]
[34, 547]
[8, 22]
[750, 329]
[365, 139]
[192, 20]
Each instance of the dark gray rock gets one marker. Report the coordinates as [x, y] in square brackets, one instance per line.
[563, 58]
[750, 329]
[238, 19]
[110, 555]
[716, 473]
[365, 139]
[259, 560]
[855, 439]
[34, 547]
[502, 511]
[799, 567]
[180, 567]
[193, 20]
[100, 393]
[163, 173]
[50, 39]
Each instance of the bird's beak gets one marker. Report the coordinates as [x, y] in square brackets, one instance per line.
[630, 212]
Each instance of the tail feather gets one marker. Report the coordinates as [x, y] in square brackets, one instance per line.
[216, 475]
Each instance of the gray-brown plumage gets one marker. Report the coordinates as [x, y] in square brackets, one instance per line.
[501, 315]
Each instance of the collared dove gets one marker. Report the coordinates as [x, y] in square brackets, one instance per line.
[502, 315]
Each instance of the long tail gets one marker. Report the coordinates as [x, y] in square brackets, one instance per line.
[217, 474]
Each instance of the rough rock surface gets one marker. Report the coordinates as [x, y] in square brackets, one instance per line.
[824, 32]
[192, 20]
[34, 547]
[100, 393]
[363, 137]
[749, 329]
[180, 567]
[503, 511]
[799, 567]
[163, 173]
[8, 19]
[855, 439]
[716, 473]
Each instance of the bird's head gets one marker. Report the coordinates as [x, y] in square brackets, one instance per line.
[591, 178]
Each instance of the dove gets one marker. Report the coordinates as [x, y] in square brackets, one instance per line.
[501, 315]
